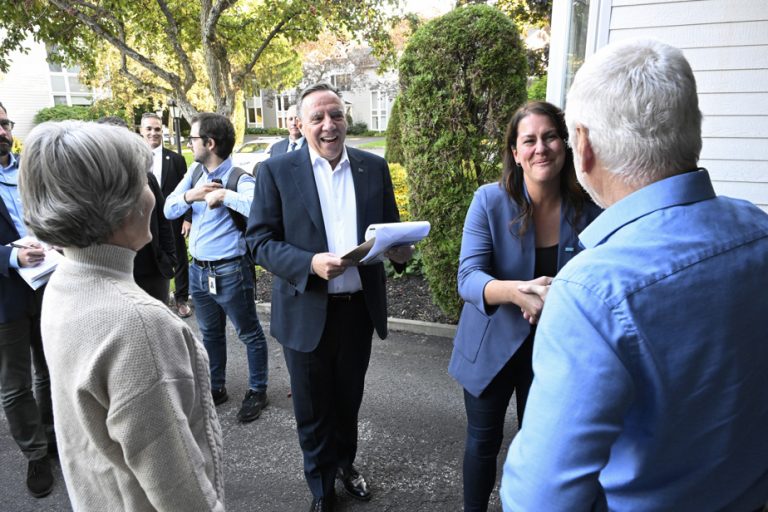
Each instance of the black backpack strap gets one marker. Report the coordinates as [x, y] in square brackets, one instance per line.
[240, 221]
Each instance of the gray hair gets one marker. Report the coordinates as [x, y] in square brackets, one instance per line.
[638, 101]
[319, 86]
[80, 181]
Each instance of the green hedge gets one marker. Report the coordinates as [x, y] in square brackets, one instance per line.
[394, 151]
[77, 112]
[461, 78]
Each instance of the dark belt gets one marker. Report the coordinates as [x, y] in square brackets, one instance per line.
[214, 264]
[344, 297]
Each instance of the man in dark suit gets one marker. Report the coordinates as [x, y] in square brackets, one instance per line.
[29, 420]
[310, 207]
[294, 141]
[169, 168]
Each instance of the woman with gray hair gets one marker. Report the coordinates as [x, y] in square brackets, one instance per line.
[131, 390]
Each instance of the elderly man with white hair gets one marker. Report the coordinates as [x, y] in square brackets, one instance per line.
[650, 388]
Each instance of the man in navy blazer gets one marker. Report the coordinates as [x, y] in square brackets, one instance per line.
[294, 141]
[311, 207]
[169, 168]
[29, 420]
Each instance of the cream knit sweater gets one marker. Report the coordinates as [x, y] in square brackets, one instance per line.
[136, 426]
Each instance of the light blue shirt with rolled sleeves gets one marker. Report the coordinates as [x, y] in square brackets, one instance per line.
[650, 362]
[213, 236]
[9, 194]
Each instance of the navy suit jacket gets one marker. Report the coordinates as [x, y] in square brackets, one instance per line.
[488, 336]
[174, 168]
[278, 148]
[15, 295]
[286, 229]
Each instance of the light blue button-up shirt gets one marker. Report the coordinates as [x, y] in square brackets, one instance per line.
[9, 194]
[214, 235]
[651, 362]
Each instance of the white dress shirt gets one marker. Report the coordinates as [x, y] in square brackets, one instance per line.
[336, 191]
[157, 163]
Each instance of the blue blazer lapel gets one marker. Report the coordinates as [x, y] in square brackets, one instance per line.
[304, 179]
[361, 179]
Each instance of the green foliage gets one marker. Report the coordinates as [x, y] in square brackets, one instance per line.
[414, 267]
[267, 131]
[394, 152]
[358, 128]
[78, 112]
[461, 78]
[537, 91]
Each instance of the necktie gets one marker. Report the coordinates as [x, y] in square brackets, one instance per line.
[293, 146]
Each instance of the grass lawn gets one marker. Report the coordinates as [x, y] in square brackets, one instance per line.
[375, 144]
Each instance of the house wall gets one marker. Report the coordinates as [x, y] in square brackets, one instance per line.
[726, 42]
[26, 88]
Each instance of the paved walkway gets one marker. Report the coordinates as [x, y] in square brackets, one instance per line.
[411, 438]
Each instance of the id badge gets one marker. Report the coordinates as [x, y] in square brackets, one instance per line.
[211, 284]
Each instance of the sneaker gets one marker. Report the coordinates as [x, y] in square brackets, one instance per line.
[253, 403]
[219, 395]
[39, 477]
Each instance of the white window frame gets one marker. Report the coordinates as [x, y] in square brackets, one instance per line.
[379, 111]
[282, 102]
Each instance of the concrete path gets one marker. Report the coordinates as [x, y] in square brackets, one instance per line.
[411, 438]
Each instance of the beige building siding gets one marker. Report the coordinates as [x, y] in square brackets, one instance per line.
[26, 88]
[726, 42]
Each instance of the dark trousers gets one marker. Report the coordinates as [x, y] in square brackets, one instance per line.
[485, 425]
[30, 417]
[181, 275]
[155, 285]
[327, 386]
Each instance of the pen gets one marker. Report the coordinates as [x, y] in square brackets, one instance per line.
[21, 246]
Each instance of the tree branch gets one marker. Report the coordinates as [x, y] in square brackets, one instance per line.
[172, 31]
[240, 76]
[122, 46]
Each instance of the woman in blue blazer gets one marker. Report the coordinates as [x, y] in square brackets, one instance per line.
[518, 233]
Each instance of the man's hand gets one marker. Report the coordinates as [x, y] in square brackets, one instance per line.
[199, 192]
[327, 265]
[534, 294]
[186, 227]
[215, 198]
[400, 254]
[31, 257]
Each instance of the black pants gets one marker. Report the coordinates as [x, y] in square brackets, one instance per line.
[327, 386]
[181, 275]
[485, 425]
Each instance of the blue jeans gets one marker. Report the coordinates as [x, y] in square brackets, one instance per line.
[234, 299]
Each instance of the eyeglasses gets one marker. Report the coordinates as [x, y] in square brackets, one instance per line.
[196, 137]
[7, 124]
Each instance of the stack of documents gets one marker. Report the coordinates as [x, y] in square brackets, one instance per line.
[38, 275]
[379, 238]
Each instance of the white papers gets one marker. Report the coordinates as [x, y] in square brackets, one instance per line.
[379, 238]
[38, 275]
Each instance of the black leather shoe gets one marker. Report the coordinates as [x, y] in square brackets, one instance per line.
[219, 395]
[354, 483]
[321, 505]
[39, 477]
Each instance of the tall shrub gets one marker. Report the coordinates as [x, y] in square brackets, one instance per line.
[461, 78]
[394, 152]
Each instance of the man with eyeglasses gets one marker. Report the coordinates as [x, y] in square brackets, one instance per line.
[30, 420]
[221, 274]
[169, 168]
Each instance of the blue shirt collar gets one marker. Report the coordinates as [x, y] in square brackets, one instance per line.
[689, 187]
[221, 170]
[12, 163]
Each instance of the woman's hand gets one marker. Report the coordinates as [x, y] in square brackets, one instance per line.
[533, 294]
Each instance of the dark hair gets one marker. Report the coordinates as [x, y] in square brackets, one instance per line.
[219, 128]
[319, 86]
[512, 174]
[113, 120]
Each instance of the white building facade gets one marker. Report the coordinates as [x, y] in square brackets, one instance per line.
[726, 42]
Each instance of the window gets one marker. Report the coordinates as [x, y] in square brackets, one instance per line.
[342, 81]
[66, 87]
[282, 102]
[577, 40]
[379, 103]
[254, 111]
